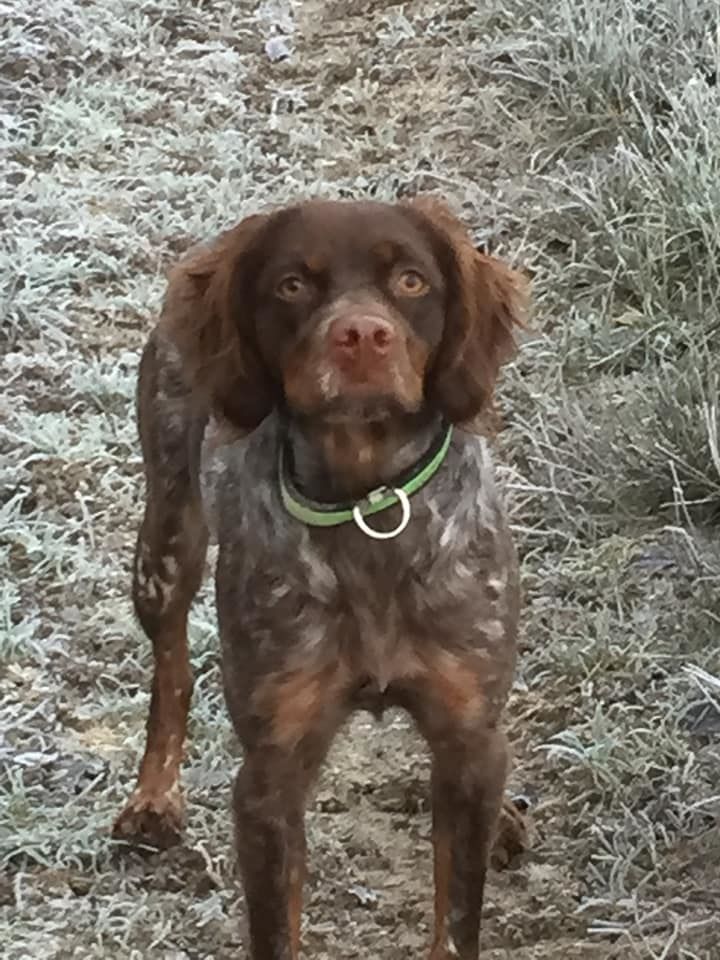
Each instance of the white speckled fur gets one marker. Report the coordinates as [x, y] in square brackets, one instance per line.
[374, 603]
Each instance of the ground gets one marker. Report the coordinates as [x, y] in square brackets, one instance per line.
[581, 141]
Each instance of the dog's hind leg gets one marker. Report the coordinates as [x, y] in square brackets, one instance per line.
[167, 572]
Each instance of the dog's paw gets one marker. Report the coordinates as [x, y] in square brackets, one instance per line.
[152, 819]
[512, 835]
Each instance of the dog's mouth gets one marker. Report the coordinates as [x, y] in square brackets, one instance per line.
[335, 395]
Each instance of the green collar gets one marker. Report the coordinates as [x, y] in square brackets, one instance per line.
[316, 514]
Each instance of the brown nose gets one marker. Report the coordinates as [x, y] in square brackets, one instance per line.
[362, 335]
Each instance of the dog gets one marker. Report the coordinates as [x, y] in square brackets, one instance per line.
[311, 393]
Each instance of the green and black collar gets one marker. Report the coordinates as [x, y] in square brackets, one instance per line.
[316, 514]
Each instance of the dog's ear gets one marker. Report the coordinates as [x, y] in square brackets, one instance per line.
[487, 300]
[209, 316]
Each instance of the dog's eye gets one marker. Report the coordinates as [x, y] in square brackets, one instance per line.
[410, 283]
[291, 287]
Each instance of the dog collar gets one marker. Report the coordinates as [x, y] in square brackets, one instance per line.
[316, 514]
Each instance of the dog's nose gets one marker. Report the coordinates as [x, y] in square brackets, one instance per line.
[361, 335]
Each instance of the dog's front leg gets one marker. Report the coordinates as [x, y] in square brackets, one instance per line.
[286, 730]
[269, 803]
[455, 713]
[467, 791]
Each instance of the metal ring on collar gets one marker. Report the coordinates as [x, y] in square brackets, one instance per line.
[404, 501]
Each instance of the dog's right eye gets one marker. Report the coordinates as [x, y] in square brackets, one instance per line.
[291, 287]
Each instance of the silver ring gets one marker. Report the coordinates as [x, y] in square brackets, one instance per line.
[385, 534]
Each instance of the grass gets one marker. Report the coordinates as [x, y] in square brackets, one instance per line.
[580, 140]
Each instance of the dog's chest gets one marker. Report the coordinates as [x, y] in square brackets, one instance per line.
[451, 571]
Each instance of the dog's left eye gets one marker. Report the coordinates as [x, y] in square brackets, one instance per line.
[291, 287]
[410, 283]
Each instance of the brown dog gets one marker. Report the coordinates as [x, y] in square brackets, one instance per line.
[364, 557]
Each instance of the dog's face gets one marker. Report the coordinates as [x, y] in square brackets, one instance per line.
[349, 306]
[350, 312]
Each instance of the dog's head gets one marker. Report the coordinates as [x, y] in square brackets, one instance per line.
[349, 312]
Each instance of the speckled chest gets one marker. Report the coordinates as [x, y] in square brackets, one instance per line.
[450, 577]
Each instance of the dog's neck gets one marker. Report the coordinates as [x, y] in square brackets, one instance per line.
[336, 462]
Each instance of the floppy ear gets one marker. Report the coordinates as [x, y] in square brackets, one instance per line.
[486, 301]
[208, 314]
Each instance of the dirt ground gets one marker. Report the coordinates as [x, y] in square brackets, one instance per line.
[579, 139]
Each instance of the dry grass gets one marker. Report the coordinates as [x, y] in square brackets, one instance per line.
[580, 138]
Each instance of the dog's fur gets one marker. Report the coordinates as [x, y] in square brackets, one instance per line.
[348, 333]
